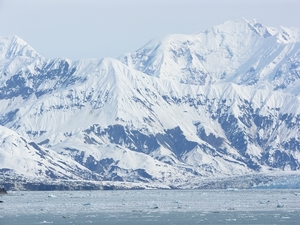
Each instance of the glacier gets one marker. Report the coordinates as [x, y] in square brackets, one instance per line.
[183, 111]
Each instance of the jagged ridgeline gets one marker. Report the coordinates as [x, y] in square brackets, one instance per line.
[179, 110]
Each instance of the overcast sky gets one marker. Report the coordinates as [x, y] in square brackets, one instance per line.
[78, 29]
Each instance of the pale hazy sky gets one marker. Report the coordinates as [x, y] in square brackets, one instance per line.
[78, 29]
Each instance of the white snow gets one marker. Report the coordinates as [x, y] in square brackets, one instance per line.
[173, 81]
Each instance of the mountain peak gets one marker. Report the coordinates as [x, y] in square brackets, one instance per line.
[284, 35]
[260, 29]
[288, 35]
[13, 46]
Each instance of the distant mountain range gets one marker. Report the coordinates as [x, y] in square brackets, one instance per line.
[180, 110]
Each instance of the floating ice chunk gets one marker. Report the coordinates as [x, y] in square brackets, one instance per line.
[228, 220]
[86, 204]
[279, 205]
[137, 211]
[232, 189]
[51, 196]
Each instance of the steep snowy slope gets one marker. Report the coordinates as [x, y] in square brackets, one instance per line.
[22, 159]
[218, 103]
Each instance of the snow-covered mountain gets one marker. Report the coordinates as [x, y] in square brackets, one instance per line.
[21, 161]
[241, 52]
[219, 103]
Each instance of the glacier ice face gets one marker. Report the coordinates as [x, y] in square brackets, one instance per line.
[217, 103]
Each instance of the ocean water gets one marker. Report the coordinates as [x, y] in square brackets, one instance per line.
[151, 207]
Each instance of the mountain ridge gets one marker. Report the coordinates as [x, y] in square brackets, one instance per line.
[196, 51]
[219, 103]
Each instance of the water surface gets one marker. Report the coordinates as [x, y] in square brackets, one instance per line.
[152, 207]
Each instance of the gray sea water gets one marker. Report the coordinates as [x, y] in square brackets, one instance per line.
[151, 207]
